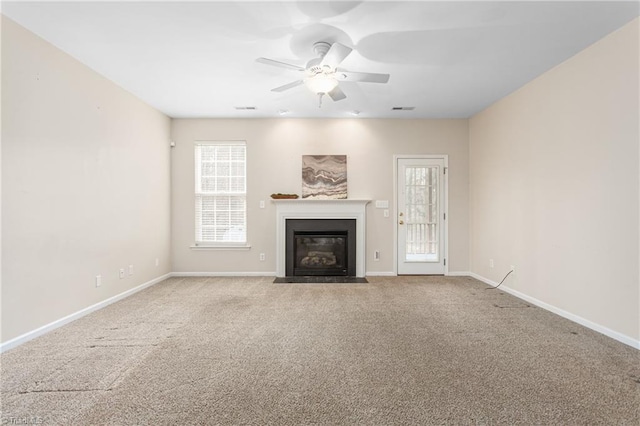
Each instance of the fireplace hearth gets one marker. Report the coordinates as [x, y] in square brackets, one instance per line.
[320, 247]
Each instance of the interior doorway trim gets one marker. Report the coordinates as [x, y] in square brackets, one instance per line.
[445, 158]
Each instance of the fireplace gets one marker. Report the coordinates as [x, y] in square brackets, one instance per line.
[320, 247]
[353, 209]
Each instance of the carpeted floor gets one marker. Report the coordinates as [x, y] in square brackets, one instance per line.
[401, 350]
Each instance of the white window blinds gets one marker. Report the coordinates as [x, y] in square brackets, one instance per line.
[221, 193]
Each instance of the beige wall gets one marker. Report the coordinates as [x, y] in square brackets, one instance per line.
[85, 185]
[274, 151]
[554, 186]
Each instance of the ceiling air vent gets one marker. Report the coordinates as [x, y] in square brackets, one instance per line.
[244, 108]
[403, 108]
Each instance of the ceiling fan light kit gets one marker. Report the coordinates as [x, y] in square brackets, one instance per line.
[322, 73]
[321, 83]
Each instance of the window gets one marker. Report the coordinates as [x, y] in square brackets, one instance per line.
[221, 193]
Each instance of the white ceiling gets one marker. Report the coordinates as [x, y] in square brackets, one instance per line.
[447, 59]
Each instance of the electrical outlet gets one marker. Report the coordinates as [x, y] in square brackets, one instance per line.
[262, 257]
[262, 204]
[490, 263]
[376, 255]
[385, 213]
[121, 273]
[98, 280]
[130, 269]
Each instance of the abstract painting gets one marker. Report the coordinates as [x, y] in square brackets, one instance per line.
[324, 176]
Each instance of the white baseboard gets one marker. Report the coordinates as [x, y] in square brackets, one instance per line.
[393, 274]
[458, 274]
[10, 344]
[380, 274]
[568, 315]
[223, 274]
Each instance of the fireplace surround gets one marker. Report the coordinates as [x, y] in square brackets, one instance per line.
[321, 209]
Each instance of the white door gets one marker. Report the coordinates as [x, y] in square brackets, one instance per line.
[421, 216]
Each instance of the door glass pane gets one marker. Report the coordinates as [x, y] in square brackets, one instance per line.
[421, 221]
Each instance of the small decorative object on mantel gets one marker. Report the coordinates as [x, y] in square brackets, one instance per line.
[280, 196]
[324, 177]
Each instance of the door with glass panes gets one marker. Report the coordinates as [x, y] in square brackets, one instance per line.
[421, 215]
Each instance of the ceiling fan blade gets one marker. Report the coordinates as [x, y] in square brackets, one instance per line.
[288, 86]
[366, 77]
[336, 54]
[268, 61]
[336, 94]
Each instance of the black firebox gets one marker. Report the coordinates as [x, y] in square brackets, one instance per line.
[320, 247]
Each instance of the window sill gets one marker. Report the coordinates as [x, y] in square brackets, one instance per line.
[221, 247]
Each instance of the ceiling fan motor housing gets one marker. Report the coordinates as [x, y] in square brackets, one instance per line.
[313, 67]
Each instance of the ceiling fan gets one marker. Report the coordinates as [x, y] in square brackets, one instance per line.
[322, 73]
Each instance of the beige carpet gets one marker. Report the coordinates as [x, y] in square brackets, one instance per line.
[402, 350]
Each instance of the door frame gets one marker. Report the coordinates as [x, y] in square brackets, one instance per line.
[445, 195]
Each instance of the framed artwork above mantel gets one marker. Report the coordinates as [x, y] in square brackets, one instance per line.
[324, 177]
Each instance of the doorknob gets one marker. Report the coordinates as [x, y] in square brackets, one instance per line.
[401, 214]
[401, 222]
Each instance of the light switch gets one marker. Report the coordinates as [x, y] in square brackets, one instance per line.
[382, 204]
[262, 204]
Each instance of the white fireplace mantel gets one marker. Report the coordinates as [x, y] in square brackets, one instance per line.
[321, 209]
